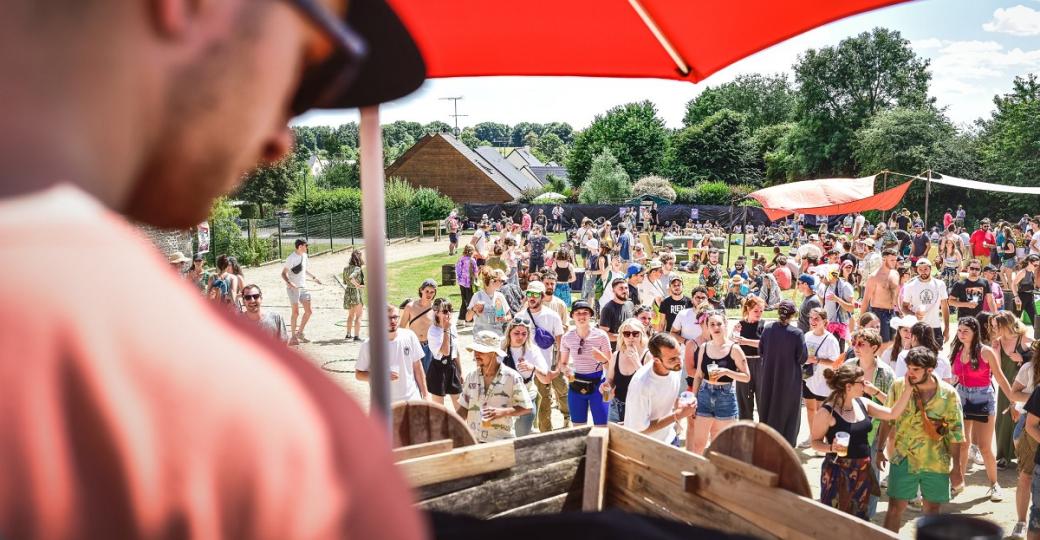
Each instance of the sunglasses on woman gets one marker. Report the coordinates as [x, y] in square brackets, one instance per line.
[629, 333]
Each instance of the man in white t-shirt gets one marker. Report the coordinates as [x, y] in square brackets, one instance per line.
[1034, 242]
[548, 320]
[404, 358]
[295, 273]
[926, 297]
[652, 406]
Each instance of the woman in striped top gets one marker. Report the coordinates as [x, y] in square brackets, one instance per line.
[583, 353]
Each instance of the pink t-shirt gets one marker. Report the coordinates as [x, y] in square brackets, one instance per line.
[131, 408]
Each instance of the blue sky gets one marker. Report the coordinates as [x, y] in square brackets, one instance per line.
[976, 48]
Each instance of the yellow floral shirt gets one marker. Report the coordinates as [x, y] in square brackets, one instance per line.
[913, 443]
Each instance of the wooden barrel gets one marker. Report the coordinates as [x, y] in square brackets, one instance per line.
[760, 445]
[448, 274]
[417, 422]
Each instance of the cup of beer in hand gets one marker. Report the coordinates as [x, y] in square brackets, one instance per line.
[714, 372]
[485, 417]
[841, 444]
[607, 391]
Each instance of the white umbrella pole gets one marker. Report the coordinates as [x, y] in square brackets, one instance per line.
[373, 227]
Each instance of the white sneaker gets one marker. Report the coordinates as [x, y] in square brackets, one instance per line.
[1019, 533]
[975, 456]
[995, 494]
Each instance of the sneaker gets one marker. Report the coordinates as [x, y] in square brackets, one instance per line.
[805, 444]
[1019, 533]
[357, 338]
[995, 494]
[975, 456]
[917, 503]
[348, 337]
[1002, 464]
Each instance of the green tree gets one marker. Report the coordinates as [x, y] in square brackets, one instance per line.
[1010, 145]
[607, 181]
[342, 171]
[437, 127]
[550, 147]
[841, 88]
[521, 130]
[718, 148]
[633, 133]
[531, 139]
[271, 184]
[901, 139]
[563, 130]
[469, 138]
[764, 100]
[493, 132]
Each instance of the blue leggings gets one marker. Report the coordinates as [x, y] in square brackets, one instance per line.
[580, 404]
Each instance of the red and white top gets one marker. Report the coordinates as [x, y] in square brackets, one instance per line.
[580, 349]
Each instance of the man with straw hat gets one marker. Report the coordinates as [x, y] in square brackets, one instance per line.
[493, 395]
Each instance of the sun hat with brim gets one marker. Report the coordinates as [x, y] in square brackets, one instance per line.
[736, 280]
[486, 342]
[177, 257]
[903, 322]
[392, 66]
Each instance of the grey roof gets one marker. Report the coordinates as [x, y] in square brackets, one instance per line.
[506, 169]
[542, 172]
[527, 156]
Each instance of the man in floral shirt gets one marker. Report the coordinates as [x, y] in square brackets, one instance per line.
[924, 452]
[711, 277]
[493, 395]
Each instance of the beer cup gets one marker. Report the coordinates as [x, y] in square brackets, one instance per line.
[841, 444]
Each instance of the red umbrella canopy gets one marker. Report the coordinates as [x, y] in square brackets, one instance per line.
[667, 39]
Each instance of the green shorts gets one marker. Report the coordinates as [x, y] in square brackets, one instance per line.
[934, 487]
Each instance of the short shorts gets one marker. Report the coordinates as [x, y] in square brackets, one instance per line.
[808, 394]
[718, 401]
[978, 402]
[298, 295]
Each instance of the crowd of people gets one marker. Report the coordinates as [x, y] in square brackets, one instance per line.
[603, 325]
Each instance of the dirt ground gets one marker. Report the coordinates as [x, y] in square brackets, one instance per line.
[328, 348]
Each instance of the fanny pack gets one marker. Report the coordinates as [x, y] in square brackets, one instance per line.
[297, 269]
[583, 387]
[543, 338]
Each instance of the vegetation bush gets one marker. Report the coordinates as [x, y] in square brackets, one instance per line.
[657, 186]
[432, 204]
[249, 210]
[718, 193]
[607, 181]
[685, 195]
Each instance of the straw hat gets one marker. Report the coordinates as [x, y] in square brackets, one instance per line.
[485, 342]
[177, 257]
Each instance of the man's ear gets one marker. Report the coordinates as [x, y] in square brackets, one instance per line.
[171, 18]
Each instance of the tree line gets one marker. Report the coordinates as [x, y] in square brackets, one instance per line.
[852, 109]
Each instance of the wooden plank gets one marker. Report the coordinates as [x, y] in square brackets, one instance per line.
[595, 469]
[549, 505]
[750, 472]
[668, 498]
[422, 449]
[522, 488]
[692, 483]
[768, 507]
[459, 463]
[533, 451]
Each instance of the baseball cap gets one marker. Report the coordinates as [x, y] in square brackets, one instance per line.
[808, 280]
[391, 65]
[536, 286]
[786, 308]
[923, 261]
[654, 264]
[592, 244]
[674, 279]
[634, 269]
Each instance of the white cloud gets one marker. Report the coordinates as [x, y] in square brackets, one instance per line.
[1017, 20]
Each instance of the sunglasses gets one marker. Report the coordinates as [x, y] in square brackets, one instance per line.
[251, 297]
[533, 294]
[629, 333]
[330, 71]
[581, 344]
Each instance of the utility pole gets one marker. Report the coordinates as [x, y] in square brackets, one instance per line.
[456, 116]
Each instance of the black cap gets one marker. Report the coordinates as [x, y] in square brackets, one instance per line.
[393, 68]
[581, 304]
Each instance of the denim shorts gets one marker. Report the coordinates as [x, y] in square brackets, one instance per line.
[717, 401]
[977, 400]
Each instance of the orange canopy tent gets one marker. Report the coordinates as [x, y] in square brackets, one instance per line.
[827, 197]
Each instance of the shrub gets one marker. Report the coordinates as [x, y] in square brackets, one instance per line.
[432, 204]
[656, 186]
[717, 193]
[548, 197]
[399, 193]
[530, 194]
[685, 195]
[323, 201]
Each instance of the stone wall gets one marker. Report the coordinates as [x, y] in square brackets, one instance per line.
[169, 241]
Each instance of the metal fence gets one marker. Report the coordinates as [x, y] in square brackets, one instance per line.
[263, 240]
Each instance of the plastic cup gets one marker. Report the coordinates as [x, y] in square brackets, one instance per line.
[485, 419]
[608, 393]
[396, 371]
[687, 398]
[713, 372]
[841, 443]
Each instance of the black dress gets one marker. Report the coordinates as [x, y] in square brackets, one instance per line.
[779, 388]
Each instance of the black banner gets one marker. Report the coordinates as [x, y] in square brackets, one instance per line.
[724, 215]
